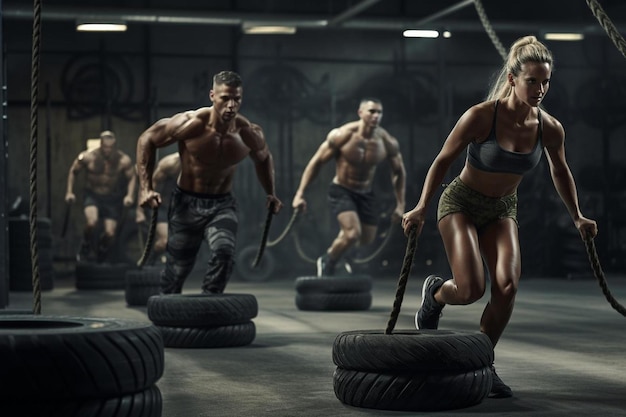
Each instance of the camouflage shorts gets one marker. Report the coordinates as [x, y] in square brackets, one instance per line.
[481, 209]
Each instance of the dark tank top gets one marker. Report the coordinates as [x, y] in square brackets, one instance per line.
[489, 156]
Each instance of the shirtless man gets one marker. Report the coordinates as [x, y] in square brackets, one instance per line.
[106, 167]
[164, 181]
[357, 147]
[211, 142]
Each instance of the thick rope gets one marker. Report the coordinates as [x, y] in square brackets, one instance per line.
[404, 277]
[489, 29]
[300, 251]
[150, 239]
[608, 26]
[66, 218]
[266, 232]
[282, 236]
[34, 89]
[140, 240]
[364, 260]
[620, 43]
[597, 271]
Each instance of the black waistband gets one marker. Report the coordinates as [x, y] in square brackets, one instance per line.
[201, 195]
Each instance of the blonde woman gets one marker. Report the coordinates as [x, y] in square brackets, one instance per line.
[504, 137]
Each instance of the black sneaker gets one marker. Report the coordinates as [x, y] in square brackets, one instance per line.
[499, 389]
[325, 267]
[427, 317]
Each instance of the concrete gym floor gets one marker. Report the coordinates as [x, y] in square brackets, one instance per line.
[562, 353]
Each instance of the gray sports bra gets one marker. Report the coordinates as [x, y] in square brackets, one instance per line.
[489, 156]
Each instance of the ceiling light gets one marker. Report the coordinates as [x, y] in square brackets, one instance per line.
[101, 27]
[415, 33]
[564, 36]
[253, 29]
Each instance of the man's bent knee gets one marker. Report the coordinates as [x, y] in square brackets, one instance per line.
[219, 270]
[352, 236]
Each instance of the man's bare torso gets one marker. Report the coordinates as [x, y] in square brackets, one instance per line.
[104, 175]
[358, 157]
[209, 160]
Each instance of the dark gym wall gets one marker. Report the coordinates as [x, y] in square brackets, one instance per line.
[4, 226]
[298, 87]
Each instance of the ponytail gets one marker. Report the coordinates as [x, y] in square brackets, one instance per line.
[523, 50]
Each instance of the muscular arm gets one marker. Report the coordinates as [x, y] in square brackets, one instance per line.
[554, 142]
[562, 177]
[129, 172]
[164, 132]
[465, 130]
[158, 177]
[398, 175]
[76, 167]
[168, 167]
[146, 156]
[324, 153]
[263, 162]
[468, 127]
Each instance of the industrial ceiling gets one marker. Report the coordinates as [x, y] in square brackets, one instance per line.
[454, 15]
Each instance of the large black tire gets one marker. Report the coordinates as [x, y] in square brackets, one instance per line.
[19, 231]
[20, 258]
[339, 284]
[139, 296]
[412, 351]
[208, 337]
[423, 370]
[262, 272]
[21, 272]
[334, 301]
[412, 391]
[104, 276]
[59, 358]
[201, 310]
[141, 284]
[147, 403]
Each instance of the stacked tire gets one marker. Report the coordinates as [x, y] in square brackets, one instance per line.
[423, 370]
[20, 259]
[101, 276]
[79, 367]
[204, 320]
[141, 284]
[334, 293]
